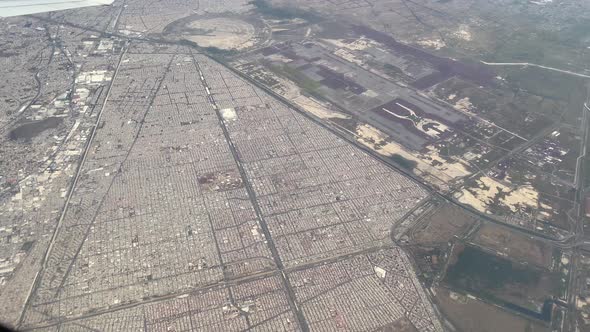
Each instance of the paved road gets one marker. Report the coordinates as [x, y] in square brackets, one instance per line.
[579, 238]
[71, 191]
[254, 201]
[526, 64]
[522, 147]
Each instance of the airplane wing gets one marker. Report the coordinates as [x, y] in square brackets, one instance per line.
[24, 7]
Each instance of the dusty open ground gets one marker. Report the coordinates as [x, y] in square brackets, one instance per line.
[442, 225]
[470, 314]
[223, 33]
[514, 245]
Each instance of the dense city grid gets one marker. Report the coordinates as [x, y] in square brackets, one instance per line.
[198, 183]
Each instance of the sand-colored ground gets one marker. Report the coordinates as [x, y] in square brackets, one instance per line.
[435, 43]
[357, 45]
[291, 91]
[482, 196]
[348, 56]
[463, 33]
[464, 104]
[445, 171]
[469, 314]
[223, 33]
[429, 164]
[318, 109]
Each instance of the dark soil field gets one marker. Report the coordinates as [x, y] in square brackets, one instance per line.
[29, 130]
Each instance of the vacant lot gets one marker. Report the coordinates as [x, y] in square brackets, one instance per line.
[468, 314]
[515, 245]
[442, 225]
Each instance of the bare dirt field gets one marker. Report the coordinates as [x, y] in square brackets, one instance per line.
[442, 224]
[469, 314]
[401, 325]
[514, 245]
[223, 33]
[220, 32]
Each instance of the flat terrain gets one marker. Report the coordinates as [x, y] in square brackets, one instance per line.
[514, 245]
[442, 225]
[197, 190]
[499, 279]
[296, 165]
[470, 314]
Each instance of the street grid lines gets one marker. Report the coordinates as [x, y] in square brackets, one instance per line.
[198, 187]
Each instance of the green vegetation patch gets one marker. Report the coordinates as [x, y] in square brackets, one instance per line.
[546, 47]
[545, 83]
[304, 82]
